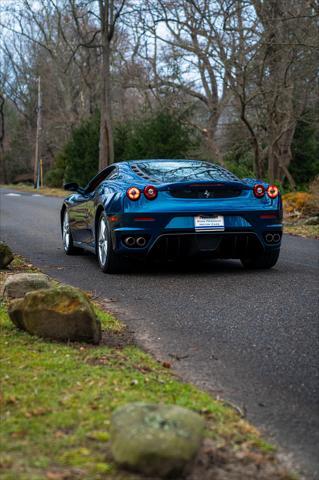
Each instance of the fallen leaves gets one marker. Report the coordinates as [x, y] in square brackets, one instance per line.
[166, 364]
[19, 434]
[11, 400]
[37, 412]
[59, 475]
[56, 476]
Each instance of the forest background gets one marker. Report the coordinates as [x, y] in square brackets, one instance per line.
[228, 81]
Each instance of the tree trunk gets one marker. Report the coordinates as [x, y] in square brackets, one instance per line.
[106, 149]
[271, 164]
[210, 140]
[280, 155]
[3, 173]
[258, 161]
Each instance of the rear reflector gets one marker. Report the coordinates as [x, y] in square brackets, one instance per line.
[259, 190]
[144, 219]
[269, 215]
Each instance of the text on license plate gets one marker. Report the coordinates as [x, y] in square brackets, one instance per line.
[209, 223]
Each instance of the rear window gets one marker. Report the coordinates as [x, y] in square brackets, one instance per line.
[177, 171]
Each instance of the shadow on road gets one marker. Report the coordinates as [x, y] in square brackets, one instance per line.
[185, 266]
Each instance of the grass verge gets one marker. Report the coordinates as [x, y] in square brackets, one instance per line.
[51, 192]
[57, 400]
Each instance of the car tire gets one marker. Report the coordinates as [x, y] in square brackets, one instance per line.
[109, 262]
[67, 238]
[263, 261]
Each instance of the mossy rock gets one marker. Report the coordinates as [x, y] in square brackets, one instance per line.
[154, 439]
[60, 313]
[6, 255]
[16, 286]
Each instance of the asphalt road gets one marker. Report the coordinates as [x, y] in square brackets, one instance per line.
[250, 337]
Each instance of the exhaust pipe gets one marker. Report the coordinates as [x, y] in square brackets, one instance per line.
[129, 241]
[141, 242]
[276, 238]
[269, 238]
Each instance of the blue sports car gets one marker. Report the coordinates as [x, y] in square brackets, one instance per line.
[167, 209]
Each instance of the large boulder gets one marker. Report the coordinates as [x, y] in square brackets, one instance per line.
[16, 286]
[60, 313]
[152, 439]
[6, 255]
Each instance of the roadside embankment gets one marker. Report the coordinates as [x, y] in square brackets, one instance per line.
[58, 400]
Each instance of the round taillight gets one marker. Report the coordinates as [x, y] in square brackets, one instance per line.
[272, 191]
[259, 190]
[150, 192]
[133, 193]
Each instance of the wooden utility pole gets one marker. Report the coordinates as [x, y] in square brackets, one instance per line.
[36, 176]
[41, 173]
[3, 174]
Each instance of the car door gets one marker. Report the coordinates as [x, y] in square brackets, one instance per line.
[85, 210]
[78, 216]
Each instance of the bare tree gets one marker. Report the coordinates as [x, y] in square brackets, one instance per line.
[42, 42]
[271, 72]
[288, 75]
[253, 57]
[105, 15]
[181, 52]
[82, 31]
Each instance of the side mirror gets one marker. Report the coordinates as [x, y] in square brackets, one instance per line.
[73, 187]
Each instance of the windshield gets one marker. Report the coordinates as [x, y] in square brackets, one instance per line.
[177, 171]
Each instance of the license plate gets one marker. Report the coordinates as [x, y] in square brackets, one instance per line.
[211, 223]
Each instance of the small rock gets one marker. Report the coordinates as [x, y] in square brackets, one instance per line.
[16, 286]
[155, 439]
[60, 313]
[311, 221]
[6, 255]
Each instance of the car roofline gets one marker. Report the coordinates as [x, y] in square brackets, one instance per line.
[167, 160]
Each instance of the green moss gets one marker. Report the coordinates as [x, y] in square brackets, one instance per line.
[108, 321]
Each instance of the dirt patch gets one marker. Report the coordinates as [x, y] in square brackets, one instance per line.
[117, 340]
[222, 464]
[214, 463]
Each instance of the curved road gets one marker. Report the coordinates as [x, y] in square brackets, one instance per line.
[250, 337]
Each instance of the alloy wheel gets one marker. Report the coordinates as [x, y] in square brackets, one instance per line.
[66, 231]
[103, 242]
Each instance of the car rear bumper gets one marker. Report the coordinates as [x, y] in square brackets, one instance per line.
[170, 236]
